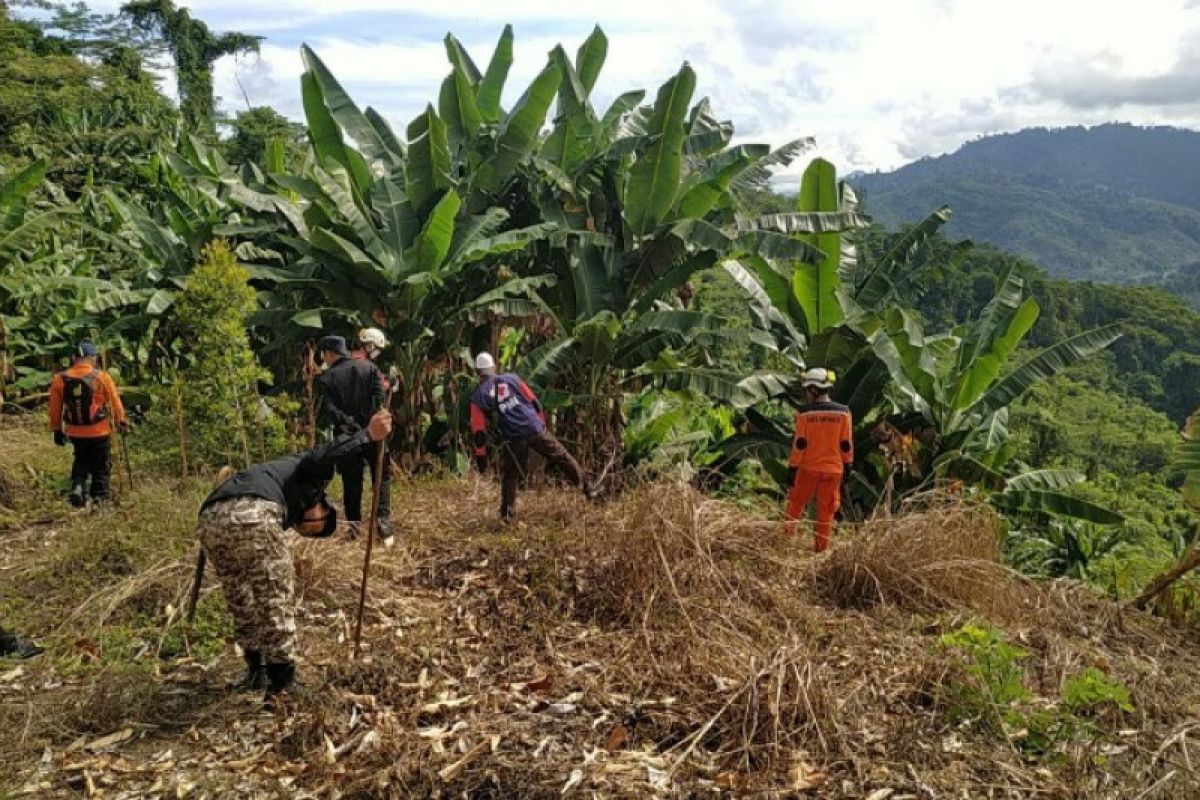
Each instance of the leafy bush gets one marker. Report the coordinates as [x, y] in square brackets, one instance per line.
[995, 698]
[216, 391]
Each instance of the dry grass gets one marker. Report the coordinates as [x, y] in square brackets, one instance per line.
[665, 644]
[945, 555]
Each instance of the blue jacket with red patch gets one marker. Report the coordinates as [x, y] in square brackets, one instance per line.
[512, 402]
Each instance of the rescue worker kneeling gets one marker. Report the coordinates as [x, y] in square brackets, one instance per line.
[241, 528]
[821, 456]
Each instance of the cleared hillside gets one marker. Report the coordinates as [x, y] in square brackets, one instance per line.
[660, 645]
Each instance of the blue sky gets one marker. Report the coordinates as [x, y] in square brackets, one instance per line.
[877, 82]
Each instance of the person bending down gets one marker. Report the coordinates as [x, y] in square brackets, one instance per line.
[241, 528]
[518, 418]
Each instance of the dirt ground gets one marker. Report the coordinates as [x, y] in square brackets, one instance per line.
[663, 644]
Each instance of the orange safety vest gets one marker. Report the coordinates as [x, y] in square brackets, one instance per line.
[824, 438]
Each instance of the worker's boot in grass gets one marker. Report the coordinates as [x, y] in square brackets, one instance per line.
[280, 678]
[12, 645]
[76, 496]
[384, 526]
[256, 673]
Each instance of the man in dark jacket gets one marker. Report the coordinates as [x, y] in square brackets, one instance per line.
[241, 528]
[519, 418]
[351, 391]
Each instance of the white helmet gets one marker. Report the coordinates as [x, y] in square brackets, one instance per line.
[819, 377]
[373, 337]
[485, 363]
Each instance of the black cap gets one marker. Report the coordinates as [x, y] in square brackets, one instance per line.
[335, 344]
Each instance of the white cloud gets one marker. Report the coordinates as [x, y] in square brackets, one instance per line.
[876, 81]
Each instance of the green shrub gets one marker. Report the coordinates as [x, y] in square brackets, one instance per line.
[994, 696]
[216, 387]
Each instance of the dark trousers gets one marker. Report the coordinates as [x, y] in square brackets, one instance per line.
[93, 459]
[351, 470]
[514, 464]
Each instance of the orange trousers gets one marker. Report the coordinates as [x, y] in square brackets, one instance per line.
[827, 486]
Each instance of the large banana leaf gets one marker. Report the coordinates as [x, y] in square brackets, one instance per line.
[654, 178]
[456, 104]
[1056, 503]
[1046, 364]
[325, 134]
[807, 222]
[487, 98]
[707, 185]
[433, 242]
[655, 331]
[17, 188]
[576, 128]
[428, 170]
[879, 285]
[461, 60]
[816, 285]
[1044, 479]
[983, 370]
[345, 113]
[544, 363]
[758, 176]
[519, 132]
[590, 58]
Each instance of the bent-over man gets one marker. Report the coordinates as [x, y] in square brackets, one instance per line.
[241, 528]
[521, 423]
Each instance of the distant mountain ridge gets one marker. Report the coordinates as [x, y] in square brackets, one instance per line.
[1114, 203]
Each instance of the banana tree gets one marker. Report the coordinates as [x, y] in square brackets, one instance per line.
[32, 258]
[385, 237]
[792, 318]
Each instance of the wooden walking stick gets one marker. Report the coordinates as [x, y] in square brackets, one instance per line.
[372, 527]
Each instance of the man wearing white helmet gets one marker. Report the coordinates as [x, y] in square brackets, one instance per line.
[368, 344]
[821, 455]
[518, 415]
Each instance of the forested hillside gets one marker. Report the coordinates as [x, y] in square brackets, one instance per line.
[1113, 203]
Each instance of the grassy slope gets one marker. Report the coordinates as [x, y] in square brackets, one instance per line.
[658, 644]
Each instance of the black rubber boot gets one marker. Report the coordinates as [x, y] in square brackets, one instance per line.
[280, 678]
[11, 645]
[256, 673]
[77, 497]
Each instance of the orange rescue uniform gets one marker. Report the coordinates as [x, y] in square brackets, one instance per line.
[822, 450]
[104, 394]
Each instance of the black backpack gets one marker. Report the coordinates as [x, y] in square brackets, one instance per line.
[79, 404]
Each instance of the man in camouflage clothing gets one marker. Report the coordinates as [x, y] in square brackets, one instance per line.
[241, 528]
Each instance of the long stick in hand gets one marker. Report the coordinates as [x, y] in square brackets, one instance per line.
[372, 527]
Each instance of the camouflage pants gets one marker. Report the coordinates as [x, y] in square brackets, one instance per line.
[245, 543]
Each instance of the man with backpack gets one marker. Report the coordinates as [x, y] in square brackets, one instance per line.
[351, 391]
[521, 423]
[821, 456]
[84, 408]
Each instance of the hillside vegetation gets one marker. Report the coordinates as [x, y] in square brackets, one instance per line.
[1113, 203]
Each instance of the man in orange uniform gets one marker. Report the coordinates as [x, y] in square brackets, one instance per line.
[84, 406]
[821, 457]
